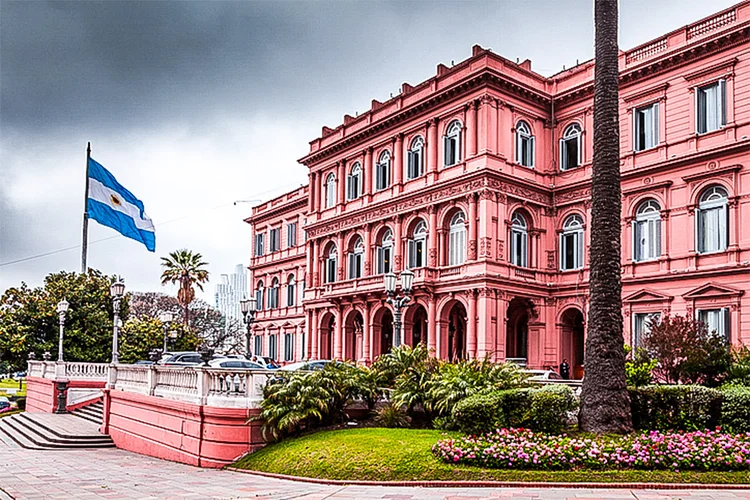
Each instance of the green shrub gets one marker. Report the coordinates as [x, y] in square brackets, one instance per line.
[638, 367]
[735, 409]
[739, 369]
[675, 407]
[390, 415]
[541, 409]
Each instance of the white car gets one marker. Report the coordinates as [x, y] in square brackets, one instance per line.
[542, 375]
[311, 365]
[234, 364]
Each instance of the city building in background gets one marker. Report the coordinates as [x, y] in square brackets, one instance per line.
[229, 293]
[479, 180]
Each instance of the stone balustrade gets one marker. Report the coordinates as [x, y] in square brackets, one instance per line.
[86, 371]
[42, 369]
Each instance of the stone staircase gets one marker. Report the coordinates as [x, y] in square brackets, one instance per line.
[49, 431]
[92, 413]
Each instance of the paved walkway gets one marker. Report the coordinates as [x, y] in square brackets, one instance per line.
[113, 473]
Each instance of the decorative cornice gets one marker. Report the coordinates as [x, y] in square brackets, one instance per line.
[716, 68]
[711, 173]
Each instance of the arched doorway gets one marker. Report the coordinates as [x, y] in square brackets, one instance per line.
[573, 341]
[457, 332]
[382, 331]
[517, 332]
[327, 329]
[353, 335]
[415, 326]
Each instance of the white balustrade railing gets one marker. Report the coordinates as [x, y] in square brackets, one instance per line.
[42, 369]
[177, 382]
[87, 371]
[131, 378]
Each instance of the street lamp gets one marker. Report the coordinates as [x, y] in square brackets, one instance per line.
[398, 302]
[62, 308]
[247, 307]
[117, 290]
[166, 319]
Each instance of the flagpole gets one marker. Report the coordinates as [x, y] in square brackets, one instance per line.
[85, 244]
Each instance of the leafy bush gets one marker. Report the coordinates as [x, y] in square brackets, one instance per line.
[524, 449]
[638, 367]
[735, 409]
[391, 415]
[542, 409]
[675, 407]
[409, 371]
[309, 399]
[686, 352]
[739, 369]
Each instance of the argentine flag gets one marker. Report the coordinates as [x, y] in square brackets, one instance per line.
[112, 205]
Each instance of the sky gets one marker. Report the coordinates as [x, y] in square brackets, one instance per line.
[194, 105]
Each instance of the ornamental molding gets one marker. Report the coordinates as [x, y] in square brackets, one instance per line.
[645, 94]
[719, 69]
[711, 172]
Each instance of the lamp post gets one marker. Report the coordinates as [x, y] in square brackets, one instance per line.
[166, 319]
[398, 302]
[247, 307]
[117, 290]
[62, 308]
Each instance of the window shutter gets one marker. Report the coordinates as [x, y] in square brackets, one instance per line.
[699, 231]
[700, 110]
[519, 149]
[380, 260]
[412, 254]
[723, 233]
[634, 229]
[524, 250]
[580, 245]
[562, 251]
[722, 104]
[352, 266]
[579, 149]
[655, 124]
[657, 237]
[447, 151]
[563, 160]
[532, 151]
[726, 323]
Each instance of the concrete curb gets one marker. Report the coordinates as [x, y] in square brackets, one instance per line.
[500, 484]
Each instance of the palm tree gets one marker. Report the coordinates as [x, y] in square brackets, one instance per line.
[605, 405]
[187, 269]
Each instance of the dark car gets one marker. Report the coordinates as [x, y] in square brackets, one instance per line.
[190, 358]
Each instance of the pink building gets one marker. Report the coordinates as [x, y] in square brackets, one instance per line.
[478, 180]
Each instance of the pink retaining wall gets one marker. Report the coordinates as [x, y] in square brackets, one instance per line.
[183, 432]
[41, 393]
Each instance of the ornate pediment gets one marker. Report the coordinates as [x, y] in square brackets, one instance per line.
[645, 295]
[712, 290]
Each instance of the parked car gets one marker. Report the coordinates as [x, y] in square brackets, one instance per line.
[310, 365]
[265, 361]
[185, 358]
[143, 362]
[542, 375]
[234, 364]
[5, 404]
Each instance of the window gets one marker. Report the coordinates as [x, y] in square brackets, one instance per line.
[385, 253]
[273, 294]
[457, 240]
[415, 159]
[716, 320]
[288, 347]
[383, 171]
[519, 241]
[330, 190]
[272, 346]
[291, 235]
[274, 240]
[571, 244]
[642, 323]
[258, 348]
[570, 147]
[524, 145]
[418, 246]
[712, 219]
[259, 296]
[647, 232]
[354, 182]
[356, 260]
[331, 265]
[646, 127]
[259, 245]
[452, 144]
[291, 290]
[710, 105]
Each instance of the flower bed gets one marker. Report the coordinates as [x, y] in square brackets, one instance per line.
[524, 449]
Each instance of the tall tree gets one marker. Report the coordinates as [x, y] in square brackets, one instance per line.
[605, 404]
[187, 269]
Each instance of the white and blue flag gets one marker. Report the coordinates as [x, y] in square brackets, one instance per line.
[110, 204]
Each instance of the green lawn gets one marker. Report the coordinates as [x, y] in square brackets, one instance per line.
[12, 384]
[405, 454]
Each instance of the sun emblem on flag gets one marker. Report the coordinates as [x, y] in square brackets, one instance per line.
[115, 200]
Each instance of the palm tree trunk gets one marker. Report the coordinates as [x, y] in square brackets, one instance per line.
[605, 405]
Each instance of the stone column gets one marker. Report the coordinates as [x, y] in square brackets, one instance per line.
[485, 225]
[338, 334]
[314, 335]
[471, 325]
[342, 183]
[472, 243]
[432, 324]
[398, 161]
[471, 130]
[315, 269]
[397, 246]
[502, 310]
[441, 247]
[366, 335]
[432, 149]
[487, 121]
[485, 324]
[367, 176]
[432, 236]
[340, 254]
[368, 252]
[312, 193]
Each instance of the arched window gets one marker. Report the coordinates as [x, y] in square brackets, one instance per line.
[524, 145]
[383, 171]
[331, 265]
[415, 158]
[330, 190]
[273, 294]
[291, 291]
[571, 244]
[519, 241]
[357, 260]
[457, 240]
[418, 246]
[354, 182]
[385, 252]
[647, 231]
[259, 296]
[713, 220]
[452, 144]
[570, 147]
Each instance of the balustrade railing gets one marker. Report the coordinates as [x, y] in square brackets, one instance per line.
[131, 378]
[86, 371]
